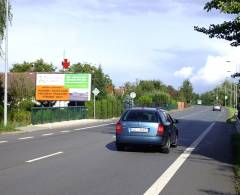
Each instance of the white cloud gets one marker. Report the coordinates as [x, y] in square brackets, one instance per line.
[184, 72]
[218, 68]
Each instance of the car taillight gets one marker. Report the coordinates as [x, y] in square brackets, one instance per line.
[118, 128]
[160, 130]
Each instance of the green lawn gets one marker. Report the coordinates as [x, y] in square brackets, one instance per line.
[9, 128]
[231, 115]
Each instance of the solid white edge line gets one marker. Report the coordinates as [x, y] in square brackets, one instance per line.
[83, 128]
[43, 157]
[1, 142]
[23, 138]
[47, 134]
[163, 180]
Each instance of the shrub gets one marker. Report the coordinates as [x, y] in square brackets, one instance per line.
[145, 100]
[26, 105]
[20, 116]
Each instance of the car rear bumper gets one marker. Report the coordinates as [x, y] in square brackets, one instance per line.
[140, 140]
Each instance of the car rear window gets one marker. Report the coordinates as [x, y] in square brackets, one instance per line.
[141, 116]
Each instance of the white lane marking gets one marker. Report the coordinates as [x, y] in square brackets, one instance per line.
[83, 128]
[23, 138]
[163, 180]
[65, 131]
[1, 142]
[47, 134]
[43, 157]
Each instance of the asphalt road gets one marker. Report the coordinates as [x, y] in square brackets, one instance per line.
[84, 160]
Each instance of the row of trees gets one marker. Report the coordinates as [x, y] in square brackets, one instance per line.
[155, 93]
[149, 92]
[218, 94]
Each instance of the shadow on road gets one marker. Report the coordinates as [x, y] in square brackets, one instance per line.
[215, 149]
[212, 192]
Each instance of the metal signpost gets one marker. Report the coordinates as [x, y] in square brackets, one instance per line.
[6, 67]
[95, 93]
[132, 95]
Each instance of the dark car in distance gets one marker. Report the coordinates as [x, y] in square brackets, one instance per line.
[146, 126]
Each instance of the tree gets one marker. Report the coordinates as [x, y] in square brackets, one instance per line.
[36, 66]
[145, 101]
[228, 30]
[3, 17]
[187, 90]
[21, 88]
[99, 79]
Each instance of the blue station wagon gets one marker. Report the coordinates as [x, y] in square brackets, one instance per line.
[146, 126]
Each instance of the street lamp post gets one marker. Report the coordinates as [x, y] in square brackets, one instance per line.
[6, 68]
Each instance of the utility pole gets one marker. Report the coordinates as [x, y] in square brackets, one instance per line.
[225, 96]
[6, 68]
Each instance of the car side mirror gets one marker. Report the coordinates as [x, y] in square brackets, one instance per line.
[167, 123]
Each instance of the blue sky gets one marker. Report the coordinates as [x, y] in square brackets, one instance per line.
[131, 39]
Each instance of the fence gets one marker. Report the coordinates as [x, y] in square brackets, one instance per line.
[104, 109]
[41, 115]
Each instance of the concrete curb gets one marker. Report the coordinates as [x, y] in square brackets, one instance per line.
[62, 124]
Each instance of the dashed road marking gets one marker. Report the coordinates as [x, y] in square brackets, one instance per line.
[65, 131]
[47, 134]
[163, 180]
[43, 157]
[1, 142]
[24, 138]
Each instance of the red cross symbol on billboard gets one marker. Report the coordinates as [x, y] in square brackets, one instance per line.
[65, 64]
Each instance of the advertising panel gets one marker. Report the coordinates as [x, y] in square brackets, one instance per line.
[63, 87]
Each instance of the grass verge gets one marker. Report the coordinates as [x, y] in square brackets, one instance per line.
[236, 151]
[9, 128]
[231, 115]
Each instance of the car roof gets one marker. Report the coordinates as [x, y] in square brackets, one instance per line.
[148, 108]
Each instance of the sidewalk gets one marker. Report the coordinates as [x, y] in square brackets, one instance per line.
[47, 126]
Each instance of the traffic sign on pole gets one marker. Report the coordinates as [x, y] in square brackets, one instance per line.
[95, 93]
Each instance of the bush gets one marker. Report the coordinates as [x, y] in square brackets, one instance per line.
[160, 98]
[20, 116]
[105, 108]
[145, 100]
[26, 105]
[9, 128]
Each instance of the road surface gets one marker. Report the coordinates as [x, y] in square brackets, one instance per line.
[84, 160]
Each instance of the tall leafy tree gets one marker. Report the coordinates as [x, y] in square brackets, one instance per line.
[228, 30]
[187, 90]
[100, 80]
[3, 21]
[3, 16]
[36, 66]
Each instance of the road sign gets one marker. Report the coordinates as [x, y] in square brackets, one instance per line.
[132, 95]
[96, 91]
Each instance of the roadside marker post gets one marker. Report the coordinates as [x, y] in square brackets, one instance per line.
[95, 93]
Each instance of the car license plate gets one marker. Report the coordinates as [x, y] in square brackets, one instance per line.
[139, 130]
